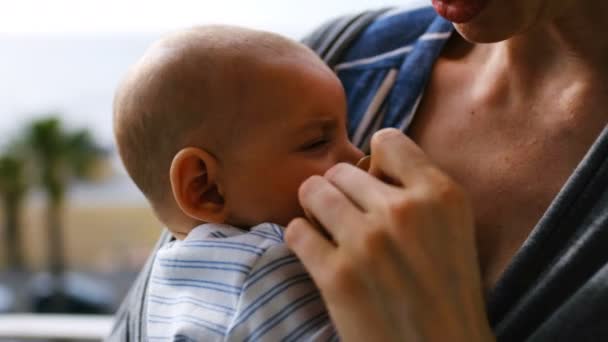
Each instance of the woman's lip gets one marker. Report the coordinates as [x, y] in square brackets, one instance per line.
[459, 11]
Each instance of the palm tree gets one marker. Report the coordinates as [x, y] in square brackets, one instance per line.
[59, 156]
[12, 192]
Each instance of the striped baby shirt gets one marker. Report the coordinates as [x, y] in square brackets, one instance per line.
[225, 284]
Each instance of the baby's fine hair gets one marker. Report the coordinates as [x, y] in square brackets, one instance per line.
[168, 99]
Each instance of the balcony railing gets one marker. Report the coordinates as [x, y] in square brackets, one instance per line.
[64, 327]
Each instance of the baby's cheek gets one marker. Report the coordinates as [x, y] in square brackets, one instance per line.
[291, 210]
[287, 205]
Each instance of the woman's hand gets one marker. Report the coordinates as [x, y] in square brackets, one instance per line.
[402, 265]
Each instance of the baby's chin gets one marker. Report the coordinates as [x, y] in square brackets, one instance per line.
[284, 219]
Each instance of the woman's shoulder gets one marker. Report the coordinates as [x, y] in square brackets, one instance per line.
[392, 30]
[375, 34]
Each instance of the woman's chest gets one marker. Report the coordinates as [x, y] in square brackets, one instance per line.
[512, 166]
[511, 175]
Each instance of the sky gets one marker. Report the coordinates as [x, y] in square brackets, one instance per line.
[67, 57]
[94, 16]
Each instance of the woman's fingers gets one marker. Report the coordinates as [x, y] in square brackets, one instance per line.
[313, 249]
[403, 253]
[341, 283]
[329, 206]
[363, 189]
[396, 157]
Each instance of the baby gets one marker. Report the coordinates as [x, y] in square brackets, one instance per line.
[218, 126]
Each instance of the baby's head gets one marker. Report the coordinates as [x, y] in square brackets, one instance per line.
[222, 124]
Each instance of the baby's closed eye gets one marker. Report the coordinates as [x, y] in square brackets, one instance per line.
[316, 144]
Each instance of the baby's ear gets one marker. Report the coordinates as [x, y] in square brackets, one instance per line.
[195, 187]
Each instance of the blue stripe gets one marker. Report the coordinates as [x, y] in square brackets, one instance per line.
[223, 243]
[268, 268]
[283, 314]
[204, 284]
[268, 296]
[156, 301]
[235, 246]
[196, 286]
[217, 328]
[210, 262]
[218, 306]
[265, 235]
[193, 301]
[278, 230]
[184, 338]
[150, 321]
[308, 326]
[209, 282]
[220, 234]
[190, 317]
[227, 269]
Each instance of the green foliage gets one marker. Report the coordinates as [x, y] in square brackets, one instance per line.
[58, 155]
[12, 191]
[50, 156]
[12, 177]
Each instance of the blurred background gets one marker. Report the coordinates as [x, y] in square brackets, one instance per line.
[74, 230]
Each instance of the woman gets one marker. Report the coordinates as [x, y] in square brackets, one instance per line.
[501, 127]
[468, 233]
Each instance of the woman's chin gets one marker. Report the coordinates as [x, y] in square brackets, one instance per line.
[459, 11]
[478, 35]
[493, 21]
[481, 30]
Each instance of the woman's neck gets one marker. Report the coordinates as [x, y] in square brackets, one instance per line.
[547, 86]
[572, 46]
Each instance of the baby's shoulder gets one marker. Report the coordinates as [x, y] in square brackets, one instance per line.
[236, 284]
[261, 236]
[228, 244]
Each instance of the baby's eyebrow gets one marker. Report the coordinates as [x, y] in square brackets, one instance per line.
[323, 124]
